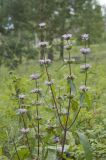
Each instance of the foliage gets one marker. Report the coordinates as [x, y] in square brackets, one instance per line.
[19, 30]
[91, 121]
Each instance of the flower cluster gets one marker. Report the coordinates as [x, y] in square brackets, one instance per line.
[85, 66]
[56, 13]
[71, 77]
[42, 25]
[68, 46]
[44, 61]
[56, 139]
[36, 90]
[21, 111]
[84, 88]
[35, 76]
[49, 83]
[85, 50]
[43, 44]
[85, 37]
[72, 60]
[24, 130]
[67, 36]
[21, 96]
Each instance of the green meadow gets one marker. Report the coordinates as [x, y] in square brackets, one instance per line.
[91, 119]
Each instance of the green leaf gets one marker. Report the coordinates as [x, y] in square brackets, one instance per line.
[74, 104]
[81, 99]
[51, 153]
[88, 99]
[86, 145]
[73, 87]
[23, 153]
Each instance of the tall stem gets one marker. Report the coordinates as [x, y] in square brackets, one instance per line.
[53, 96]
[66, 124]
[86, 73]
[70, 63]
[69, 106]
[26, 133]
[38, 126]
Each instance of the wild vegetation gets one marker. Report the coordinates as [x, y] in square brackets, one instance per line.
[52, 80]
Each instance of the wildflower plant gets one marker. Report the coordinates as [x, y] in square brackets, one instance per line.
[49, 133]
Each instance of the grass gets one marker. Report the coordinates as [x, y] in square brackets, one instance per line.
[96, 80]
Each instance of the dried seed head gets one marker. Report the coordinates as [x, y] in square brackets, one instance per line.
[71, 77]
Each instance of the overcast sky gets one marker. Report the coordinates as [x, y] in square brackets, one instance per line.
[102, 2]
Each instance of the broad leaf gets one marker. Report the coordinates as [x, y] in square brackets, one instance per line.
[86, 145]
[82, 96]
[73, 87]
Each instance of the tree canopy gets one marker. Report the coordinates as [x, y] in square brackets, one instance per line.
[19, 21]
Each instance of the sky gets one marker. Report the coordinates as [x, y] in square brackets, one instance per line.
[102, 2]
